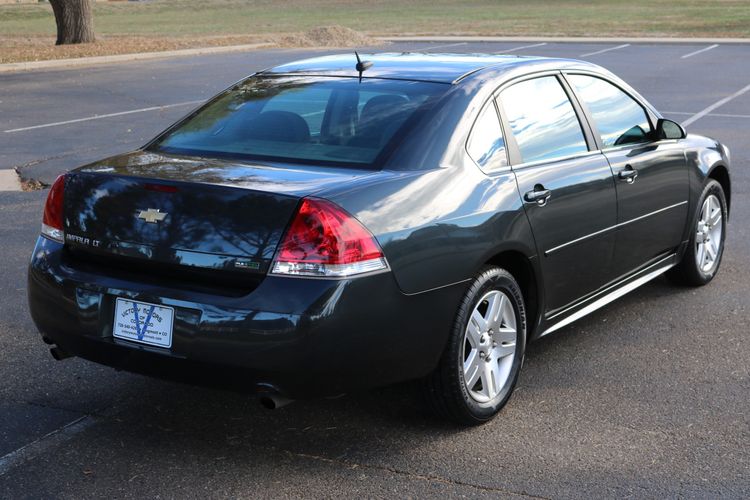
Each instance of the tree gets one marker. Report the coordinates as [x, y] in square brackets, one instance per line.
[75, 23]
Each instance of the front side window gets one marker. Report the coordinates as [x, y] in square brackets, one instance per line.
[338, 121]
[486, 145]
[618, 117]
[542, 119]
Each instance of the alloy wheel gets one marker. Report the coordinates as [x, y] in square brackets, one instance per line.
[489, 346]
[708, 234]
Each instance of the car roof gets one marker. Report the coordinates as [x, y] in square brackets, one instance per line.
[428, 67]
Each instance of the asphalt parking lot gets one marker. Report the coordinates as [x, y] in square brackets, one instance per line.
[648, 397]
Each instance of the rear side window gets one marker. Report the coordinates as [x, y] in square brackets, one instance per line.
[486, 145]
[542, 119]
[618, 117]
[319, 120]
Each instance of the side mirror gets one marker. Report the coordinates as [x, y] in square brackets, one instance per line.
[667, 129]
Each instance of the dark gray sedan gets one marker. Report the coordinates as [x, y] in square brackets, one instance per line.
[343, 222]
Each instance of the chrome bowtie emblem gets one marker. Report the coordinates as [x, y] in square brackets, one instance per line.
[152, 215]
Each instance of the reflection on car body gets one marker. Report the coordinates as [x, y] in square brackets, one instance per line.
[335, 224]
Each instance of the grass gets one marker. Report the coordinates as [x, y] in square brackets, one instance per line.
[256, 19]
[499, 17]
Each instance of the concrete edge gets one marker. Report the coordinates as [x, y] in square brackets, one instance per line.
[91, 61]
[9, 180]
[563, 39]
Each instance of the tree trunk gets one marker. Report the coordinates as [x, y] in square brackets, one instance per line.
[75, 23]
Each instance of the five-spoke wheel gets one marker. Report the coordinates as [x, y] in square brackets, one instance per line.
[489, 346]
[481, 362]
[708, 233]
[703, 256]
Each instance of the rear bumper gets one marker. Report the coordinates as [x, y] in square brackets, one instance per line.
[302, 337]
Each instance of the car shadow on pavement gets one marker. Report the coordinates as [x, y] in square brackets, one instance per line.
[223, 416]
[578, 392]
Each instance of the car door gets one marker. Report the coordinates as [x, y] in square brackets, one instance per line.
[568, 191]
[651, 176]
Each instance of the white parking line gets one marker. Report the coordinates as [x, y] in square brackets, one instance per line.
[45, 443]
[700, 114]
[605, 50]
[99, 117]
[705, 49]
[720, 115]
[523, 47]
[445, 46]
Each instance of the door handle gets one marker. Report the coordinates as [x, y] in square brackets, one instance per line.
[628, 174]
[539, 195]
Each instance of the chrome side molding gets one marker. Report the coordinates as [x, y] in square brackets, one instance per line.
[610, 228]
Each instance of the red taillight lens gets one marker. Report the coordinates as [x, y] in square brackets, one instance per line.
[52, 220]
[324, 240]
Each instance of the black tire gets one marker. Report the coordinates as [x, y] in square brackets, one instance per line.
[446, 391]
[688, 272]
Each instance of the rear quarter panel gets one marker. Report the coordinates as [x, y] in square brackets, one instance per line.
[438, 227]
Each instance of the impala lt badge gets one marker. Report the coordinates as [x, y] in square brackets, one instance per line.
[152, 215]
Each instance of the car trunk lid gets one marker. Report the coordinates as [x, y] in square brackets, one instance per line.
[156, 213]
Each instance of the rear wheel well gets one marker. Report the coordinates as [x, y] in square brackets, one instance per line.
[520, 267]
[721, 175]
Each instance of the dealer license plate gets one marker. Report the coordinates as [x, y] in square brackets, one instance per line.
[143, 322]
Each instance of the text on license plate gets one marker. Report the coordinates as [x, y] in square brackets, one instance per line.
[143, 322]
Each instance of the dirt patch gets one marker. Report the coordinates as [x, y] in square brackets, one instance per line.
[32, 185]
[328, 36]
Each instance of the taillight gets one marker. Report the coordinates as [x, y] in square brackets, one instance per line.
[324, 240]
[52, 221]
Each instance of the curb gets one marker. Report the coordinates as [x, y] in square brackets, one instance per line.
[564, 39]
[9, 180]
[90, 61]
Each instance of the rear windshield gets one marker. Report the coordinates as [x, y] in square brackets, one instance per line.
[323, 120]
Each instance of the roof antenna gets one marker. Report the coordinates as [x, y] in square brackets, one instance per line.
[361, 66]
